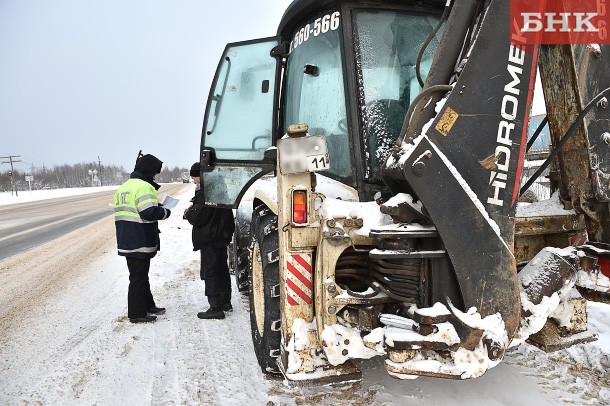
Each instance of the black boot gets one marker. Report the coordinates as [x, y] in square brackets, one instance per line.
[225, 299]
[156, 310]
[215, 310]
[143, 319]
[211, 313]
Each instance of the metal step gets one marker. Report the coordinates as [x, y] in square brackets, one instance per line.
[404, 232]
[384, 254]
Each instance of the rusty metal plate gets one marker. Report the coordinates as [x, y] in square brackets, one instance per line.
[402, 370]
[346, 372]
[594, 62]
[549, 339]
[549, 224]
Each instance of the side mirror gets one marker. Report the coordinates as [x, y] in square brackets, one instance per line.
[208, 158]
[281, 51]
[271, 155]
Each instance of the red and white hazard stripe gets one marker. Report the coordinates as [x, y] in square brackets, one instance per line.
[299, 285]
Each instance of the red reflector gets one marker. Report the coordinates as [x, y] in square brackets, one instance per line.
[299, 206]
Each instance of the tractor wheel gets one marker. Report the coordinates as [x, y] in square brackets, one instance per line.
[264, 275]
[239, 259]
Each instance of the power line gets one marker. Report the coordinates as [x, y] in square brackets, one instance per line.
[12, 173]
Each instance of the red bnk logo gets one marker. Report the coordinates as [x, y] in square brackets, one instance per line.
[560, 21]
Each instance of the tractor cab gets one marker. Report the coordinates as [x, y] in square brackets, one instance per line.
[348, 69]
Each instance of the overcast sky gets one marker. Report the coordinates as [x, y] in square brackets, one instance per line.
[86, 78]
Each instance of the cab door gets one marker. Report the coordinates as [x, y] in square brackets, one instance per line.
[240, 122]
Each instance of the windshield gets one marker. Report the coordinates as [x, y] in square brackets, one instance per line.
[387, 45]
[315, 92]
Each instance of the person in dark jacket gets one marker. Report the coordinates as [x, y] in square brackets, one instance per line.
[136, 212]
[212, 232]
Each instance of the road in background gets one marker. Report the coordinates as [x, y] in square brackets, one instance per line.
[28, 225]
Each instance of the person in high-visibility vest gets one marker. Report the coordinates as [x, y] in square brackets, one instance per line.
[136, 214]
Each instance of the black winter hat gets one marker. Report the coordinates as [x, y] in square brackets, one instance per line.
[148, 165]
[196, 169]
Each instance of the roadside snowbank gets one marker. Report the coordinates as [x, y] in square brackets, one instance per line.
[35, 195]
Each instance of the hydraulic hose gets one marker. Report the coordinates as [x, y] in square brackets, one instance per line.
[418, 98]
[544, 121]
[561, 143]
[428, 40]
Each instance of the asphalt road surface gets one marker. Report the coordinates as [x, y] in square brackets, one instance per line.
[27, 225]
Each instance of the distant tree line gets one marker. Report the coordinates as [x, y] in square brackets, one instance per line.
[77, 175]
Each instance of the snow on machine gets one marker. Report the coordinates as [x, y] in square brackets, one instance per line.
[386, 224]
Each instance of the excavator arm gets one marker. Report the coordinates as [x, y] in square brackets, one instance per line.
[467, 134]
[473, 150]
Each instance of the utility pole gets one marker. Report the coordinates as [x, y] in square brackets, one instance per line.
[11, 173]
[99, 168]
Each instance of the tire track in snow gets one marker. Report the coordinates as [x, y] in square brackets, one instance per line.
[170, 366]
[564, 371]
[165, 384]
[36, 331]
[227, 372]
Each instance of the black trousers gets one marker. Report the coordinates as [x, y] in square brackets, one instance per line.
[139, 296]
[215, 273]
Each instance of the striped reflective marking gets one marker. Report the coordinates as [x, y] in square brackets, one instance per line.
[143, 249]
[125, 208]
[299, 287]
[133, 219]
[145, 197]
[146, 205]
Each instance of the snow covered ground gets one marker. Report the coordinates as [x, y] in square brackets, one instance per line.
[36, 195]
[68, 342]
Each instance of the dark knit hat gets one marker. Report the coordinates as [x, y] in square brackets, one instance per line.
[196, 169]
[148, 165]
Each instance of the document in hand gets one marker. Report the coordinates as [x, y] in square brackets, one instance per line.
[169, 202]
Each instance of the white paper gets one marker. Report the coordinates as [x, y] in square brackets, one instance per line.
[169, 202]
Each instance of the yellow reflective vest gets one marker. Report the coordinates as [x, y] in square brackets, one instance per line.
[136, 213]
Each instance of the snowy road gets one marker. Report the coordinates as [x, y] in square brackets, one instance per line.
[65, 339]
[27, 225]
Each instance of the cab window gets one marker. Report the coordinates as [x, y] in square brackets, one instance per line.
[387, 45]
[315, 92]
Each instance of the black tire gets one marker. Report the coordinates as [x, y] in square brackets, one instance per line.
[240, 258]
[240, 248]
[265, 321]
[232, 256]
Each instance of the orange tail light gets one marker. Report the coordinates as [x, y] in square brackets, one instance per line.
[299, 206]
